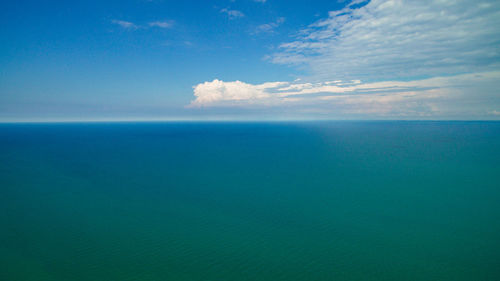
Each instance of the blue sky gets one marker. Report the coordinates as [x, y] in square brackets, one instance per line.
[247, 59]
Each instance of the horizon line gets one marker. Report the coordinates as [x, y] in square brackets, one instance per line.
[222, 120]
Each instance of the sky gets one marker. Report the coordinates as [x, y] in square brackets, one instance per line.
[249, 60]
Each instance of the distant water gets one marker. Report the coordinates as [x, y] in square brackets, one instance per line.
[250, 201]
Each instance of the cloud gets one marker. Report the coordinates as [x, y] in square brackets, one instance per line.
[161, 24]
[260, 1]
[438, 96]
[132, 26]
[383, 59]
[232, 14]
[125, 24]
[396, 39]
[269, 27]
[218, 92]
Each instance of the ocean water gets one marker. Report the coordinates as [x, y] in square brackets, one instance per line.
[250, 201]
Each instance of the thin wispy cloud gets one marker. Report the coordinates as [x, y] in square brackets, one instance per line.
[161, 24]
[133, 26]
[125, 24]
[387, 39]
[269, 27]
[232, 14]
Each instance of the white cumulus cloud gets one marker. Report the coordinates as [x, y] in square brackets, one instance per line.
[218, 92]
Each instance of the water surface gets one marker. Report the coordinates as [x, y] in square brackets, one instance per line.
[250, 201]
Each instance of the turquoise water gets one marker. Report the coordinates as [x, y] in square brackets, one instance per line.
[250, 201]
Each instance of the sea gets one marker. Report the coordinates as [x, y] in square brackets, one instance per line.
[215, 201]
